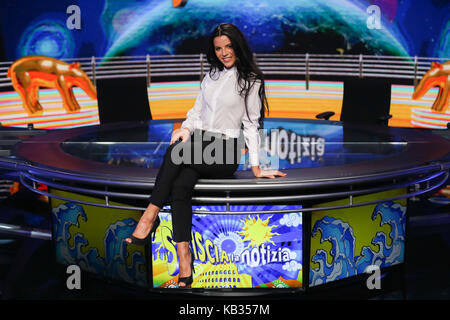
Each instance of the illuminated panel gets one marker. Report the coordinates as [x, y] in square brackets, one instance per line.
[93, 238]
[407, 112]
[344, 242]
[287, 98]
[54, 115]
[172, 100]
[235, 251]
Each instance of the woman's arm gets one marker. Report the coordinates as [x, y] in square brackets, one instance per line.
[251, 134]
[193, 116]
[251, 124]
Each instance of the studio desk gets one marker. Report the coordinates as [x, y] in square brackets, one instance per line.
[338, 215]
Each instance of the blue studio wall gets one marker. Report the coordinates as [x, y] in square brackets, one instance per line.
[83, 28]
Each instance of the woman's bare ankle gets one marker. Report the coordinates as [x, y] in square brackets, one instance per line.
[151, 212]
[184, 259]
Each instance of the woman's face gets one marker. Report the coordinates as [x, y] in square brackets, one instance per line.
[224, 51]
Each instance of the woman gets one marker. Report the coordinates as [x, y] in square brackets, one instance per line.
[232, 96]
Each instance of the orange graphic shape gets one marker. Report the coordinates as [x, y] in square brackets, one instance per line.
[30, 73]
[438, 75]
[179, 3]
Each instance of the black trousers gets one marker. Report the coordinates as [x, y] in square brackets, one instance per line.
[204, 155]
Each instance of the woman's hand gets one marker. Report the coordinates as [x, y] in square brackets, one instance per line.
[180, 133]
[266, 173]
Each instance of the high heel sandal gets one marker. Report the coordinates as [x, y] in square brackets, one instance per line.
[188, 280]
[151, 235]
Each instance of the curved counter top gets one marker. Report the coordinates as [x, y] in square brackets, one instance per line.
[338, 158]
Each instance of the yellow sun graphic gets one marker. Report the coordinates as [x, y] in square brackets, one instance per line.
[257, 231]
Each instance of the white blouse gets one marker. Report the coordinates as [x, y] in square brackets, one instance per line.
[220, 108]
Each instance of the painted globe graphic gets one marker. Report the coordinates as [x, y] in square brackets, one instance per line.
[46, 38]
[282, 25]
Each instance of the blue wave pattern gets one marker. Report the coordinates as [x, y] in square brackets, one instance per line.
[340, 234]
[114, 264]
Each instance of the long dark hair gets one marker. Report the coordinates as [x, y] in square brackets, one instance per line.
[247, 69]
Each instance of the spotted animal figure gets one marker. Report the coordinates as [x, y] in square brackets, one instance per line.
[30, 73]
[437, 75]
